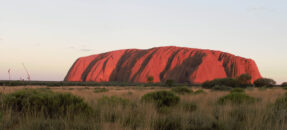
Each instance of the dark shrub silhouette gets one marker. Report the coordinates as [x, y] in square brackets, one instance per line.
[161, 98]
[244, 80]
[221, 82]
[169, 82]
[236, 98]
[264, 82]
[181, 90]
[51, 104]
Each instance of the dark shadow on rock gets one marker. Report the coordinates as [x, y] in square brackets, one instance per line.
[90, 66]
[181, 73]
[168, 64]
[123, 68]
[143, 65]
[229, 64]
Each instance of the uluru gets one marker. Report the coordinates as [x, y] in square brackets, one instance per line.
[162, 63]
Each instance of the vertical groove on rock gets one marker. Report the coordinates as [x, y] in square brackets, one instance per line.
[105, 64]
[187, 68]
[90, 66]
[145, 62]
[122, 72]
[168, 65]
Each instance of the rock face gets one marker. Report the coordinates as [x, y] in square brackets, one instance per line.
[162, 63]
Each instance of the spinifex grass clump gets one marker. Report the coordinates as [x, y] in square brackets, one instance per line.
[181, 90]
[236, 98]
[280, 107]
[221, 88]
[199, 91]
[113, 101]
[237, 90]
[45, 102]
[161, 98]
[100, 90]
[169, 122]
[189, 106]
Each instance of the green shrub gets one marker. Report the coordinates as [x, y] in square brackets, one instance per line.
[221, 88]
[181, 90]
[169, 82]
[244, 80]
[46, 102]
[161, 98]
[221, 82]
[264, 82]
[199, 91]
[100, 90]
[237, 90]
[150, 79]
[236, 98]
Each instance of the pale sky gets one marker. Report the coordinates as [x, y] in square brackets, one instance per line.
[49, 35]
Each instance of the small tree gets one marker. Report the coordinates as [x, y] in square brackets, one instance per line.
[264, 82]
[150, 79]
[244, 79]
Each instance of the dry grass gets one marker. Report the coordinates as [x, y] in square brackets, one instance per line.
[208, 115]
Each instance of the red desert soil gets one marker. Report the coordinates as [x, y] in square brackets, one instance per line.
[177, 63]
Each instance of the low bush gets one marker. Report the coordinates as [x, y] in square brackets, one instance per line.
[161, 98]
[46, 102]
[236, 98]
[221, 88]
[221, 82]
[264, 82]
[237, 90]
[169, 82]
[100, 90]
[199, 91]
[181, 90]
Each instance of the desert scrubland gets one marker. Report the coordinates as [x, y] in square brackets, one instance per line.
[78, 107]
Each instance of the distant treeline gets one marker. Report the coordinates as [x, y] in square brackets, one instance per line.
[65, 83]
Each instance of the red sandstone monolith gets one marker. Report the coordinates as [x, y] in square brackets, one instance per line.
[176, 63]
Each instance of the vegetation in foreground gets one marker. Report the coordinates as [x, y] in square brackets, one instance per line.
[63, 108]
